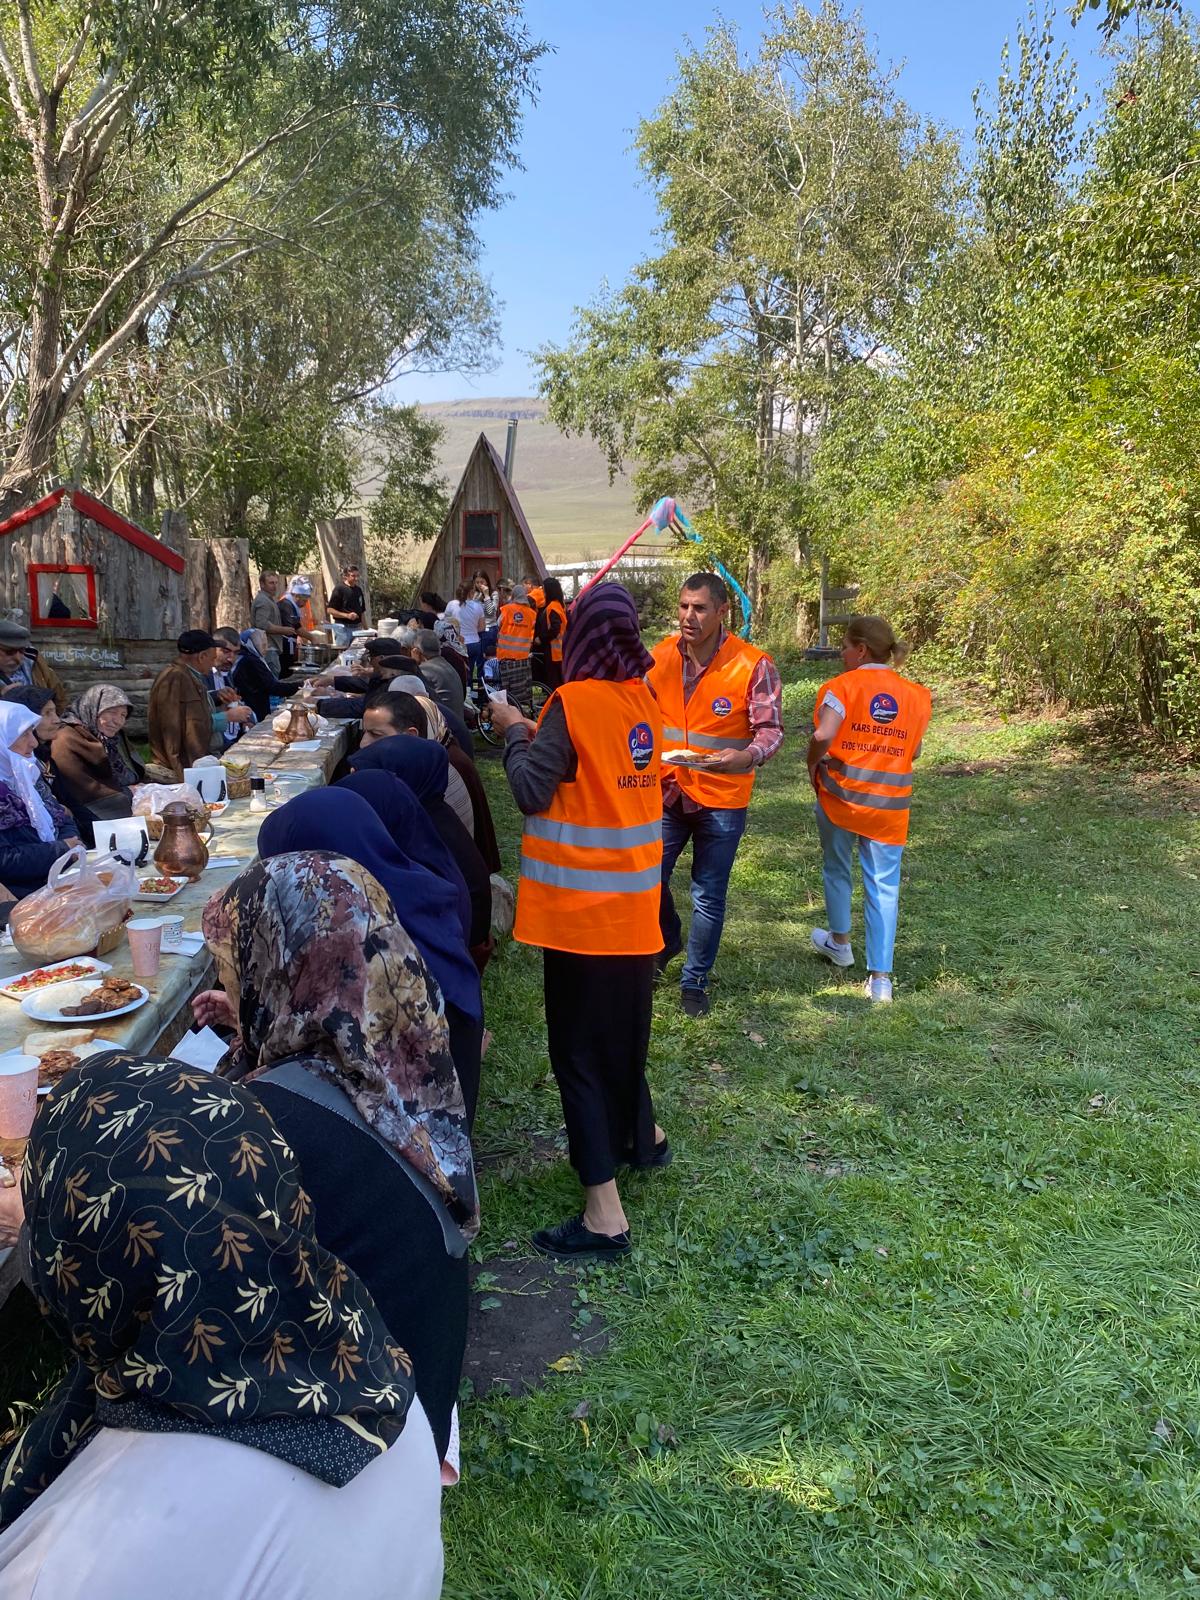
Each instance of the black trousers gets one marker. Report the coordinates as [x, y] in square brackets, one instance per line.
[598, 1011]
[466, 1048]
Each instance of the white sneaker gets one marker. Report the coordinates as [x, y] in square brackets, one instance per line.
[825, 945]
[878, 991]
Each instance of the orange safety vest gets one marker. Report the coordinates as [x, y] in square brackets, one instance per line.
[538, 597]
[591, 863]
[866, 779]
[716, 717]
[556, 644]
[516, 631]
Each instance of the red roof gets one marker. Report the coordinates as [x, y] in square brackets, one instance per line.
[97, 511]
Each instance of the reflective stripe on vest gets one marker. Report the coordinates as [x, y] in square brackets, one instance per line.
[890, 780]
[593, 838]
[591, 861]
[591, 880]
[512, 641]
[872, 802]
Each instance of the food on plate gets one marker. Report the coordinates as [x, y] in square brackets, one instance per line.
[112, 994]
[160, 885]
[45, 976]
[52, 1064]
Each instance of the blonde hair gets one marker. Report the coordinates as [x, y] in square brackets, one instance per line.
[876, 634]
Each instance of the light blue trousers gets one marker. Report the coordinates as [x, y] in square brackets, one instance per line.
[880, 865]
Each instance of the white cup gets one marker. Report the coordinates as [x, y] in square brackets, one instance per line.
[172, 931]
[18, 1094]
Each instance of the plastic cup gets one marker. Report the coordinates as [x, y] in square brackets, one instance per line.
[172, 931]
[145, 945]
[18, 1095]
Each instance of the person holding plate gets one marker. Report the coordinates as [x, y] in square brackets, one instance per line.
[722, 699]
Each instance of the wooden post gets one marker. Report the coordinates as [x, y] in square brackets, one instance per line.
[195, 585]
[231, 605]
[174, 535]
[319, 611]
[341, 544]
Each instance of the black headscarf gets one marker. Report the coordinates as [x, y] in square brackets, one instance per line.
[604, 639]
[169, 1243]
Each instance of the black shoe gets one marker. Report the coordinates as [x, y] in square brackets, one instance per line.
[665, 956]
[662, 1157]
[695, 1002]
[571, 1240]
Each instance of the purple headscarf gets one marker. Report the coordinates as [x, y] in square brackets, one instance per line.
[604, 639]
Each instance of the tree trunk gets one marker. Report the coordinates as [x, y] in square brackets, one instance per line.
[196, 585]
[231, 604]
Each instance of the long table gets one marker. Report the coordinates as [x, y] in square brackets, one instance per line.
[157, 1026]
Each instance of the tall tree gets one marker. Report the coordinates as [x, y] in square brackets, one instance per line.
[798, 198]
[241, 101]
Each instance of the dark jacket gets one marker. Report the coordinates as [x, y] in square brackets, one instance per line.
[25, 860]
[82, 778]
[256, 683]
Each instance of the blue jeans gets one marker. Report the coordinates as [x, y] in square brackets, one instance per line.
[880, 865]
[715, 836]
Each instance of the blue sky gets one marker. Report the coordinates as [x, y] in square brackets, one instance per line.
[579, 214]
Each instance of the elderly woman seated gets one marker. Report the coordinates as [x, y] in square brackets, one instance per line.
[94, 768]
[35, 830]
[252, 677]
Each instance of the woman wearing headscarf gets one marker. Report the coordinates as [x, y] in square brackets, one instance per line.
[34, 828]
[252, 677]
[478, 821]
[411, 830]
[423, 766]
[342, 1038]
[94, 768]
[343, 823]
[238, 1422]
[591, 856]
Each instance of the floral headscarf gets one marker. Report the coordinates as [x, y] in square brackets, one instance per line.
[436, 726]
[326, 975]
[169, 1243]
[87, 710]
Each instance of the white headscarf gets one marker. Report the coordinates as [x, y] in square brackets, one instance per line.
[22, 772]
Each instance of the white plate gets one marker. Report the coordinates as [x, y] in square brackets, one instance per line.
[180, 883]
[47, 1006]
[687, 758]
[48, 966]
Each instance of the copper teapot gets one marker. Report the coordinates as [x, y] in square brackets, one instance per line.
[181, 852]
[299, 724]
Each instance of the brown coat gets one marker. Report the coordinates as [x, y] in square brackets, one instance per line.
[41, 676]
[181, 723]
[84, 772]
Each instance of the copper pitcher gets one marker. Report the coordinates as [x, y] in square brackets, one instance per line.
[181, 852]
[299, 724]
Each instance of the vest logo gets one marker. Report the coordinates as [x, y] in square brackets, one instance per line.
[721, 706]
[641, 745]
[884, 708]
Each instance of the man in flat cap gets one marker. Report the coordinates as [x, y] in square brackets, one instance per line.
[21, 664]
[184, 723]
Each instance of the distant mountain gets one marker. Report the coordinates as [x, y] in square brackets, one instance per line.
[562, 483]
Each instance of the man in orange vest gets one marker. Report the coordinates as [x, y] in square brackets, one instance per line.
[513, 644]
[868, 724]
[722, 700]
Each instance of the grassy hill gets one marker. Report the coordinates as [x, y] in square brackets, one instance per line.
[562, 483]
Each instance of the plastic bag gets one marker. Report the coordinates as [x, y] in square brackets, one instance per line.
[75, 909]
[150, 798]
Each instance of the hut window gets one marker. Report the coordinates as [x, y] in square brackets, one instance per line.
[62, 597]
[481, 530]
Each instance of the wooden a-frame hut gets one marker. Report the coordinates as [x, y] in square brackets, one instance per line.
[484, 528]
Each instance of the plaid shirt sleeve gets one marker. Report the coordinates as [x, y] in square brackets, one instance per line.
[766, 711]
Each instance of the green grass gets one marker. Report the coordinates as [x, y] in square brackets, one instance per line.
[916, 1307]
[915, 1313]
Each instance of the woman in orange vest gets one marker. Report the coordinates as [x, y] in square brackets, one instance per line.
[551, 634]
[587, 783]
[513, 644]
[868, 727]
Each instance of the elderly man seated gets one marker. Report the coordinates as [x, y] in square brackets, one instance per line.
[184, 722]
[21, 664]
[444, 683]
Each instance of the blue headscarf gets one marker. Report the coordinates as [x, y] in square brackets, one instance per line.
[428, 906]
[420, 763]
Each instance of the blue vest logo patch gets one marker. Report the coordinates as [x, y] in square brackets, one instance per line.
[641, 745]
[884, 708]
[721, 706]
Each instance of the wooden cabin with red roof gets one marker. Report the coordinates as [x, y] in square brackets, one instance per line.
[103, 599]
